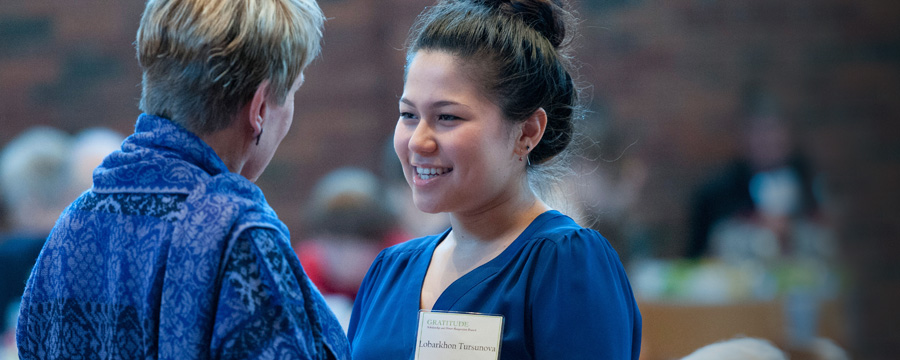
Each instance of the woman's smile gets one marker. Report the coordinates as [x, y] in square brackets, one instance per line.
[426, 173]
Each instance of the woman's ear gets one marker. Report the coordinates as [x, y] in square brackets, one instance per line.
[257, 111]
[532, 131]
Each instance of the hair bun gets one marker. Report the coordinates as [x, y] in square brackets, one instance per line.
[545, 16]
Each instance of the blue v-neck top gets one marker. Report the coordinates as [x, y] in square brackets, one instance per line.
[561, 288]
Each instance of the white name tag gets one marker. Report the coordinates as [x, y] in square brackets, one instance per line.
[452, 336]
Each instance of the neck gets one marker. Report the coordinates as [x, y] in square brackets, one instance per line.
[500, 222]
[223, 143]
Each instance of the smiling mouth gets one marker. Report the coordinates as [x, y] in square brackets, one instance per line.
[426, 173]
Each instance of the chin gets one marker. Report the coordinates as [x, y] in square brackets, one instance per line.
[251, 175]
[427, 207]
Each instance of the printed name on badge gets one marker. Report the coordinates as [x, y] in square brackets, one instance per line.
[450, 336]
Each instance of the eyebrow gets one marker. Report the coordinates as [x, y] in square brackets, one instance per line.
[437, 104]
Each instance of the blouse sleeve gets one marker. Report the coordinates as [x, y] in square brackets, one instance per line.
[582, 305]
[263, 310]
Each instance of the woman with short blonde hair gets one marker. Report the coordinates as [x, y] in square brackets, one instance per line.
[174, 252]
[203, 60]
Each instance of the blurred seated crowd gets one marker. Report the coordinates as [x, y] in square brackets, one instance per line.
[42, 170]
[757, 236]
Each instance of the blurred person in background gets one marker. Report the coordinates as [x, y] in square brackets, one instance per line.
[488, 101]
[89, 148]
[349, 223]
[42, 171]
[762, 215]
[34, 180]
[762, 204]
[174, 251]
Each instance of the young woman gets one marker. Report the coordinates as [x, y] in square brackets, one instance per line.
[487, 99]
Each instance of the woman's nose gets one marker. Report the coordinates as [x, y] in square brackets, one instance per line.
[422, 139]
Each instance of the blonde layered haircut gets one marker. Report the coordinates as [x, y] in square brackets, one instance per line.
[202, 60]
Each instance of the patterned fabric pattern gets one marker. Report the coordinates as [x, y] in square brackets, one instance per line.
[170, 255]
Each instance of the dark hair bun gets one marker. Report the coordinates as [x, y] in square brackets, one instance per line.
[545, 16]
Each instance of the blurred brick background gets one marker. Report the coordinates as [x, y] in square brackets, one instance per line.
[666, 77]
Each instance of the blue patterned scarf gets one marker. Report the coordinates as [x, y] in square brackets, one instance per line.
[138, 262]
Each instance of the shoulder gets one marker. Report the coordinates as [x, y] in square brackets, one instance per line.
[726, 179]
[561, 248]
[411, 247]
[261, 263]
[560, 243]
[556, 229]
[227, 188]
[259, 236]
[260, 243]
[231, 200]
[394, 262]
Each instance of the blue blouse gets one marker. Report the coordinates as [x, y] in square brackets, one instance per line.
[561, 288]
[172, 256]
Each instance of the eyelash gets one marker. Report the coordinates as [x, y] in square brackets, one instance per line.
[444, 117]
